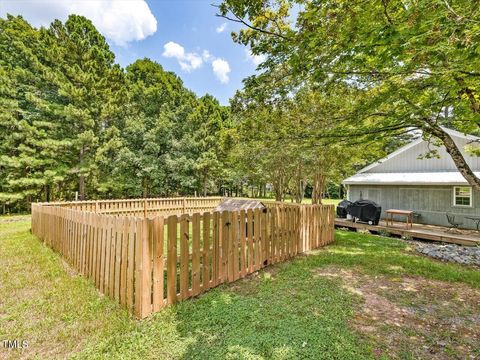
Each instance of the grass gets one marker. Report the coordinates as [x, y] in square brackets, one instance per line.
[283, 312]
[324, 201]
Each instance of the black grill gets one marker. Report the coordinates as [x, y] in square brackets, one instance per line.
[365, 211]
[342, 208]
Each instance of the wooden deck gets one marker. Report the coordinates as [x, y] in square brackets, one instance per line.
[418, 231]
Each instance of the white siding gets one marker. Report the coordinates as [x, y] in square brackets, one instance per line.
[431, 203]
[408, 160]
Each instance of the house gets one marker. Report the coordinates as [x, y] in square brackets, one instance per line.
[431, 186]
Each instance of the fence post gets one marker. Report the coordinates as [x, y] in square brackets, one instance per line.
[145, 208]
[184, 205]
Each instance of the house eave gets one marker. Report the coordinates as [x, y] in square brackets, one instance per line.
[408, 178]
[398, 183]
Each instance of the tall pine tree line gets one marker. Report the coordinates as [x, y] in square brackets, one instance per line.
[71, 120]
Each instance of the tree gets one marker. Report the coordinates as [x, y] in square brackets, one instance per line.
[284, 140]
[30, 144]
[73, 120]
[411, 62]
[205, 143]
[91, 87]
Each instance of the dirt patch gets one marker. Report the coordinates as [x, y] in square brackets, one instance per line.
[414, 317]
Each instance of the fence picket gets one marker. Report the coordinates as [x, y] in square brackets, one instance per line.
[123, 265]
[217, 234]
[243, 243]
[111, 273]
[225, 226]
[257, 238]
[195, 254]
[184, 256]
[172, 260]
[131, 262]
[206, 263]
[158, 263]
[235, 243]
[250, 229]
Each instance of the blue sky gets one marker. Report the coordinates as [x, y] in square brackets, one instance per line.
[184, 36]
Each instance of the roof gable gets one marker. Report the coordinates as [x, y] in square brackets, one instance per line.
[409, 157]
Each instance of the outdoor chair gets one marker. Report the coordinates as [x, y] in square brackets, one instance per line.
[454, 224]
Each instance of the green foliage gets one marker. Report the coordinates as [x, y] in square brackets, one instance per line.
[408, 64]
[283, 143]
[72, 120]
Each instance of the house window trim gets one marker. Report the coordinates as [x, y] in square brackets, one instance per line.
[470, 195]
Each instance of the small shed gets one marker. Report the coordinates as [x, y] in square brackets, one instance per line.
[239, 204]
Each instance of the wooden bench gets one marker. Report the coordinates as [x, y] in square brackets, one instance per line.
[407, 213]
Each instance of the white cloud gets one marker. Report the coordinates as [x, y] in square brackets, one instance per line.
[172, 49]
[207, 56]
[221, 28]
[119, 21]
[187, 61]
[191, 61]
[221, 68]
[256, 59]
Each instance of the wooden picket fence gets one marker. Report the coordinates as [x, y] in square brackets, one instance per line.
[147, 263]
[144, 207]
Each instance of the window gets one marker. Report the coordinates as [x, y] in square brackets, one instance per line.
[462, 196]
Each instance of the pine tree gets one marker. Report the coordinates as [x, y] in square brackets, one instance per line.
[30, 145]
[91, 88]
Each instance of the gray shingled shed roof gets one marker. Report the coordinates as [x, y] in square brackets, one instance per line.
[239, 204]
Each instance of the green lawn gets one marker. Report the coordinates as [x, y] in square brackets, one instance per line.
[361, 297]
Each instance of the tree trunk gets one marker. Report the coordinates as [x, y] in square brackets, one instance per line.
[299, 185]
[205, 185]
[299, 191]
[457, 157]
[47, 193]
[145, 187]
[319, 182]
[81, 188]
[279, 185]
[81, 179]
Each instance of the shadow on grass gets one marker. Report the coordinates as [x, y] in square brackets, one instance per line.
[293, 314]
[389, 256]
[286, 315]
[285, 312]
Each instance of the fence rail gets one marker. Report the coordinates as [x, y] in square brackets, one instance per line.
[147, 263]
[143, 207]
